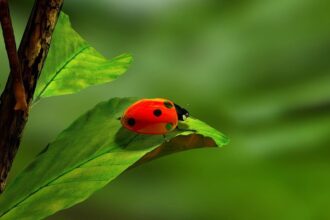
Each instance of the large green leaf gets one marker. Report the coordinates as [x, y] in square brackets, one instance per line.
[90, 153]
[72, 64]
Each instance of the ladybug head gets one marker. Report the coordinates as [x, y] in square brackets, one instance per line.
[182, 113]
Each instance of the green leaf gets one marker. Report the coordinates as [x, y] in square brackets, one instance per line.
[72, 64]
[90, 153]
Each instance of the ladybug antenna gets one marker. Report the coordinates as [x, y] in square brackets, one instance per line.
[182, 113]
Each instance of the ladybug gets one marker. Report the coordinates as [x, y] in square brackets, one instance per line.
[153, 116]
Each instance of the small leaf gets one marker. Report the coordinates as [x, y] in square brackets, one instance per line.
[72, 64]
[90, 153]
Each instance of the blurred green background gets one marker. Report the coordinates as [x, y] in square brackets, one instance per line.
[257, 70]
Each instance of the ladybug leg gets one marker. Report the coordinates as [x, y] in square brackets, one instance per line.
[165, 139]
[119, 118]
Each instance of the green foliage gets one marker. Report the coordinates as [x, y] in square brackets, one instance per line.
[95, 149]
[259, 70]
[87, 155]
[72, 64]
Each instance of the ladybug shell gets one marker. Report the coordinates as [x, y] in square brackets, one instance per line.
[151, 116]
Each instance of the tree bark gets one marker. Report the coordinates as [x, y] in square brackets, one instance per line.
[32, 54]
[9, 38]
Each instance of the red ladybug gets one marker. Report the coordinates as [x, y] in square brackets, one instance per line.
[153, 116]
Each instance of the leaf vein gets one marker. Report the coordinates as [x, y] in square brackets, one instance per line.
[59, 70]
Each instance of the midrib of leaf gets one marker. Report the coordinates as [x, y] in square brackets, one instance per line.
[59, 70]
[62, 174]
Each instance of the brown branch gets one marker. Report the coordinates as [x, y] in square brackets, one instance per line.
[9, 38]
[32, 53]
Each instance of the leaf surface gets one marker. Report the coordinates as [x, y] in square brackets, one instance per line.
[87, 155]
[72, 64]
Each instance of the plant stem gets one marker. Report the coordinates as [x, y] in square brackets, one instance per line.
[32, 54]
[9, 38]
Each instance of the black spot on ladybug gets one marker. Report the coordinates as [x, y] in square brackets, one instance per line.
[169, 126]
[157, 112]
[131, 122]
[168, 104]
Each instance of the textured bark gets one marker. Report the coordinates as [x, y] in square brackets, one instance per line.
[32, 53]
